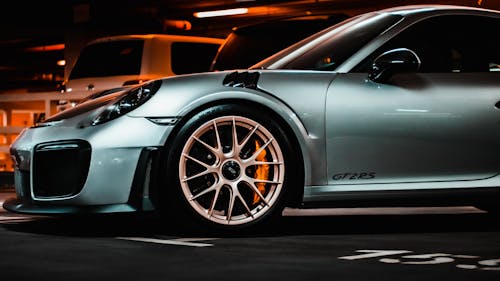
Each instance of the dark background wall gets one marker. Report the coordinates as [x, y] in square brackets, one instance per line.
[34, 35]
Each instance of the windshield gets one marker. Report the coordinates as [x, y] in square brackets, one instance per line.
[192, 57]
[328, 49]
[248, 45]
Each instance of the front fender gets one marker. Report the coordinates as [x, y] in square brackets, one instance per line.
[306, 142]
[185, 95]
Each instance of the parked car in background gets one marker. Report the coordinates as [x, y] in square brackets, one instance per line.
[123, 60]
[393, 107]
[247, 45]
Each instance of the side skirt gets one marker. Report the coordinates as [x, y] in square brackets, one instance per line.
[404, 198]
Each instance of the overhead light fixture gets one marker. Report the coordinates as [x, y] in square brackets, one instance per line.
[221, 13]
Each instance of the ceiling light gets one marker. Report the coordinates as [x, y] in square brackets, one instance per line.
[219, 13]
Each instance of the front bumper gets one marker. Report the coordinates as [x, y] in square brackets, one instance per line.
[18, 205]
[101, 169]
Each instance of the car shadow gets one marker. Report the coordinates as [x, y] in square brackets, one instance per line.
[150, 225]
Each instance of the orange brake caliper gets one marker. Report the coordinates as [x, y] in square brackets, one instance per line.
[261, 173]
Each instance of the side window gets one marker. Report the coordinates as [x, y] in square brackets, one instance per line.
[451, 43]
[191, 57]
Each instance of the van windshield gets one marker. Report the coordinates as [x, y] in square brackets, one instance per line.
[110, 58]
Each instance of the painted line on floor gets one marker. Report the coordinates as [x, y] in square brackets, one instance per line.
[177, 242]
[195, 239]
[10, 219]
[7, 218]
[381, 211]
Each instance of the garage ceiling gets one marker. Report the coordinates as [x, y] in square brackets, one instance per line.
[27, 24]
[51, 20]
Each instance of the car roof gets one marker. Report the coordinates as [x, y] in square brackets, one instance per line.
[286, 22]
[170, 37]
[427, 8]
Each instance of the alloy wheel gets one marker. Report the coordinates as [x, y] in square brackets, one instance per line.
[231, 170]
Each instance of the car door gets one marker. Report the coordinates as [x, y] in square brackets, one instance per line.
[439, 124]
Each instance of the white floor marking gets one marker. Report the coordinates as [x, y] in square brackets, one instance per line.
[381, 211]
[467, 266]
[425, 259]
[8, 220]
[178, 242]
[195, 239]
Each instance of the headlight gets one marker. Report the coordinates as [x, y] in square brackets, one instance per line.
[128, 102]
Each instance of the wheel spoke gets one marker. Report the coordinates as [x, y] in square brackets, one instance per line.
[266, 163]
[247, 138]
[230, 207]
[266, 181]
[217, 137]
[257, 153]
[256, 190]
[234, 133]
[209, 147]
[245, 205]
[215, 186]
[206, 172]
[214, 201]
[197, 161]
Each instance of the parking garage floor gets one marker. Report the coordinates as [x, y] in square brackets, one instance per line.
[331, 244]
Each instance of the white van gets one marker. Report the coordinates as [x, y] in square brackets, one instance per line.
[122, 60]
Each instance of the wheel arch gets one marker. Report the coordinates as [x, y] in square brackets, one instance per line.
[287, 121]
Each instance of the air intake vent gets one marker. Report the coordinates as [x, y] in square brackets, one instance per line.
[60, 168]
[242, 80]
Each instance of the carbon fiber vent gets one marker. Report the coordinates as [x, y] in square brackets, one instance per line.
[242, 80]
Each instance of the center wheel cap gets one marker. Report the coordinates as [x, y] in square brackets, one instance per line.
[231, 170]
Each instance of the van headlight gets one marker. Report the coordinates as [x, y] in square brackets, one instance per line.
[128, 102]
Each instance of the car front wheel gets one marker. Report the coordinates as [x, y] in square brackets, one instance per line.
[231, 167]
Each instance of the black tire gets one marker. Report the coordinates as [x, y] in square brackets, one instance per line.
[214, 183]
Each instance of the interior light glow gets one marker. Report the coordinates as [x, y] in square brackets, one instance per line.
[46, 48]
[177, 24]
[61, 62]
[220, 13]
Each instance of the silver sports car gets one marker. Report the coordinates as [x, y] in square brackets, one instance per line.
[399, 106]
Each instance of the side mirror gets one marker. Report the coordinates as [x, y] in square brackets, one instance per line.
[400, 60]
